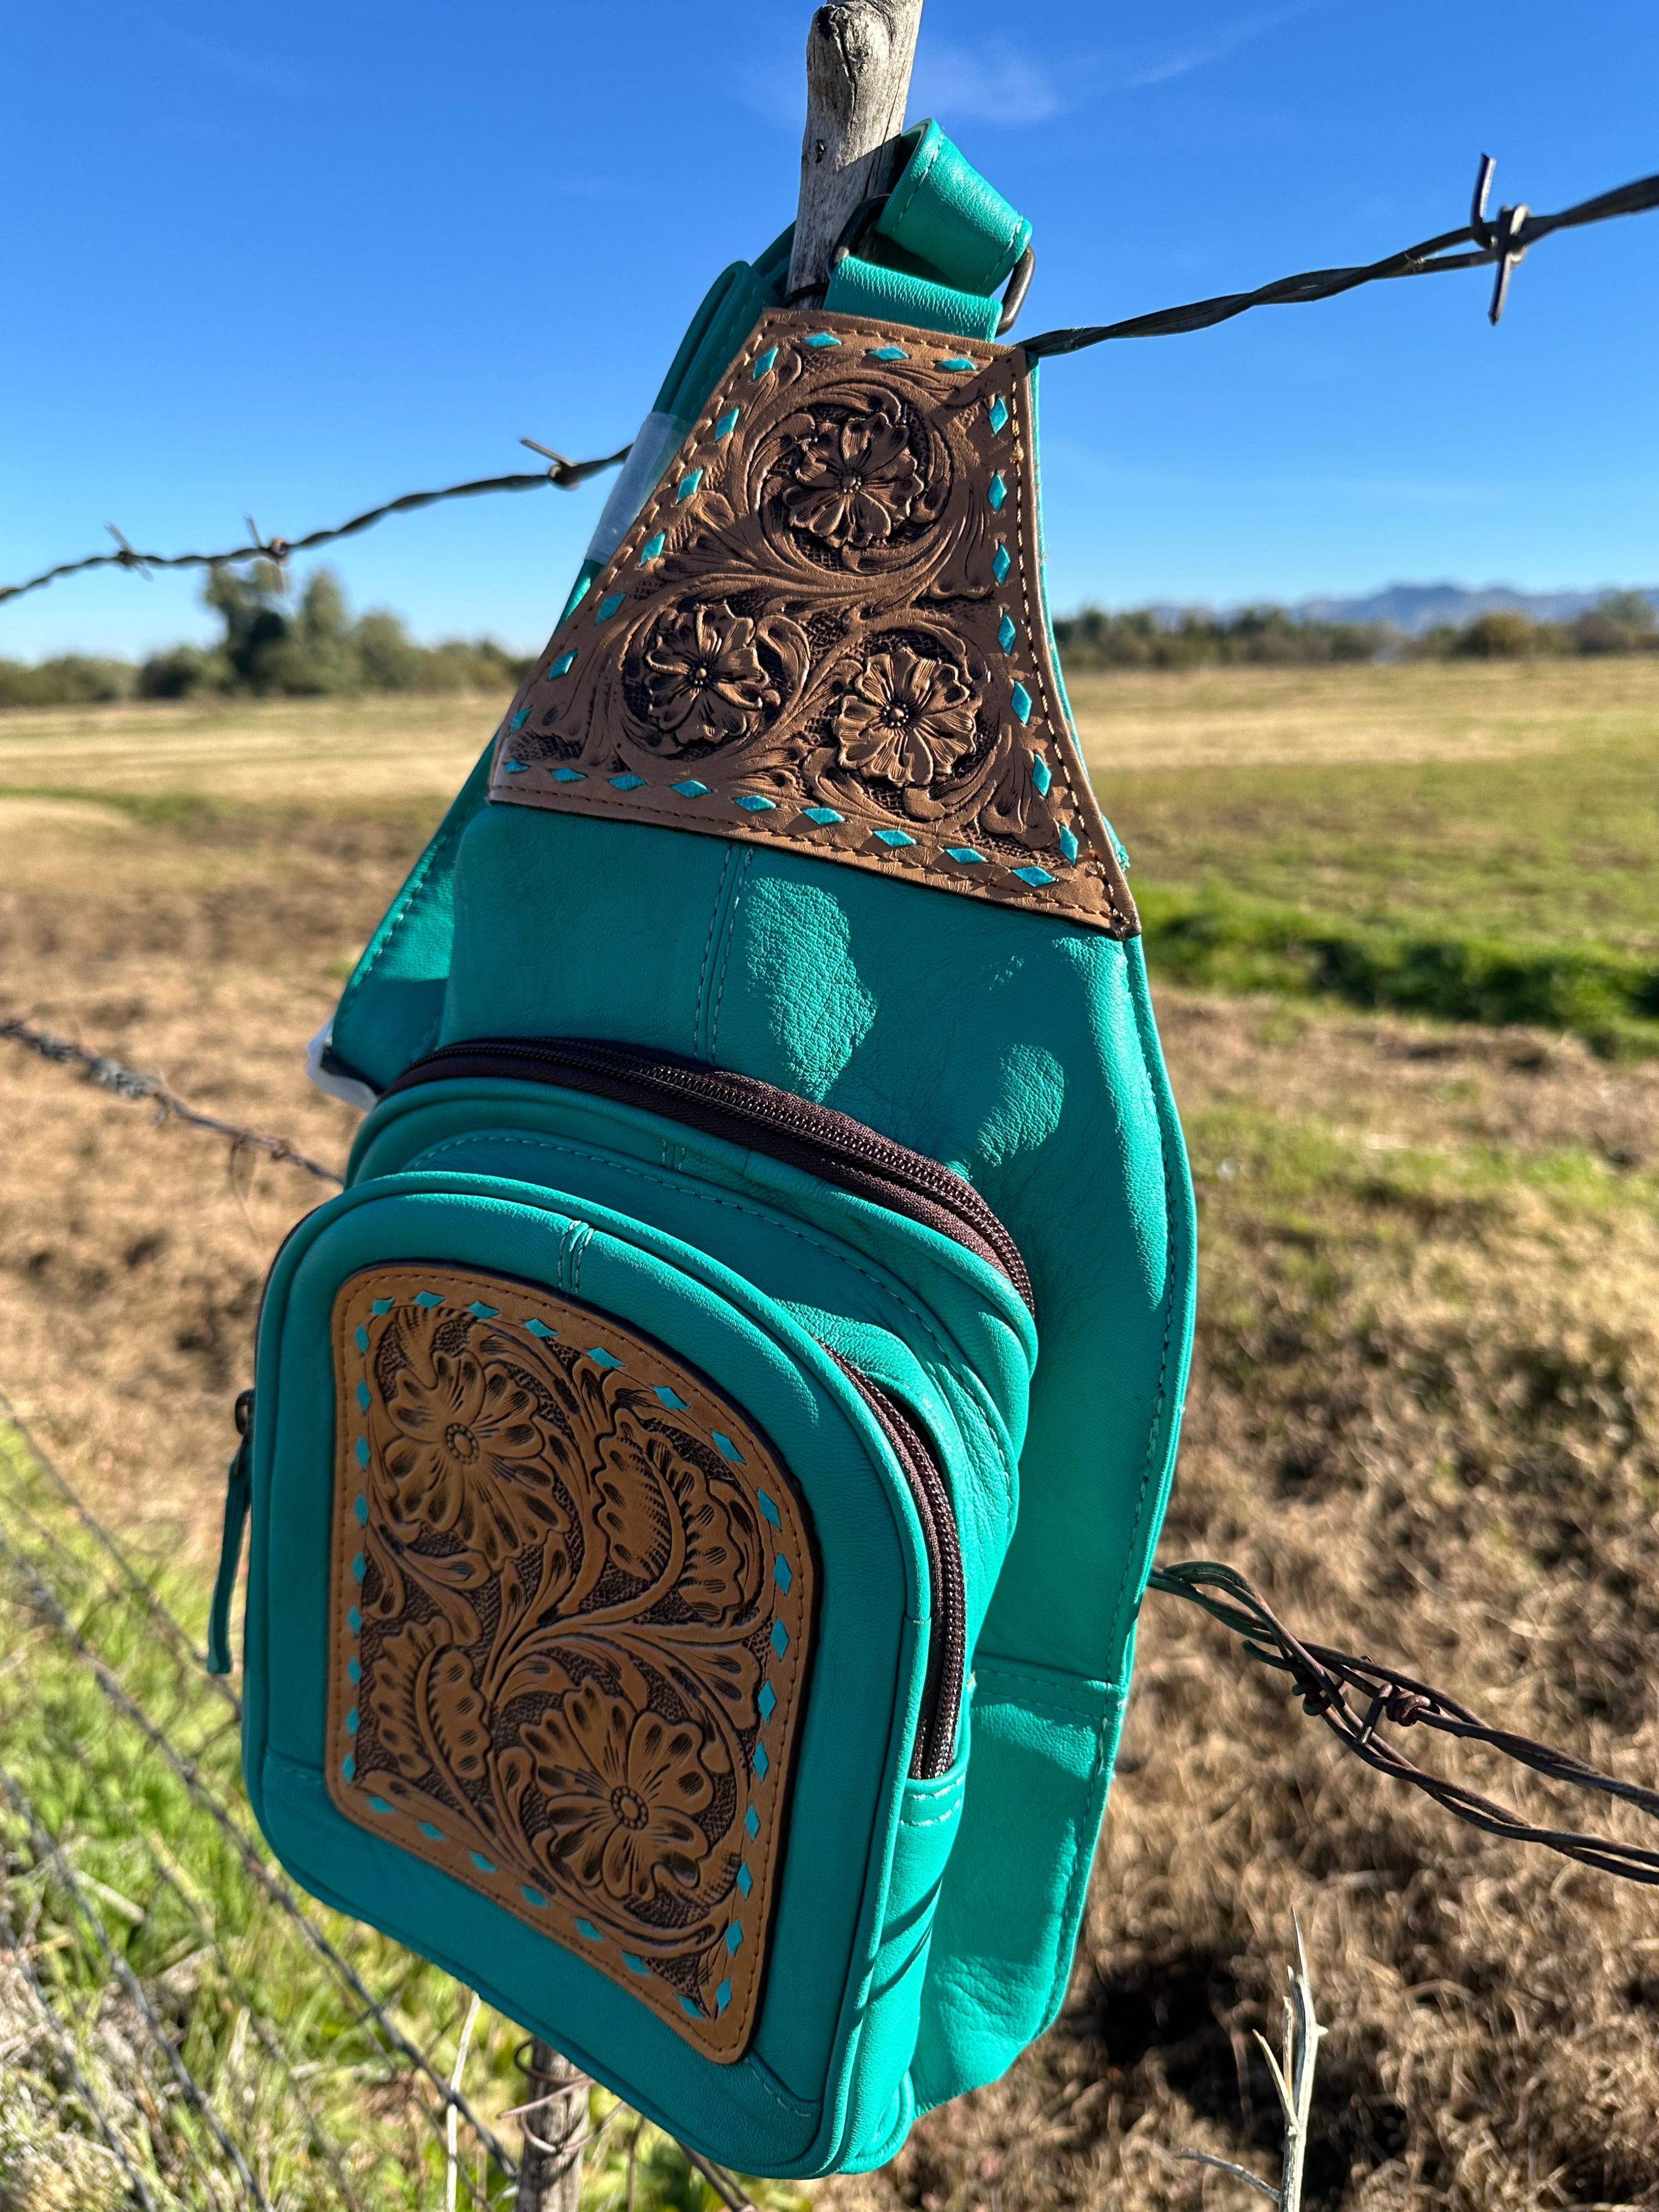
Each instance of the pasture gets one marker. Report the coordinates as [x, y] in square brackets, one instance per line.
[1424, 1415]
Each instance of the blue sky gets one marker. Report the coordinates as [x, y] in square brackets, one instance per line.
[287, 263]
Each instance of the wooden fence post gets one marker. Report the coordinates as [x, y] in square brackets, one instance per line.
[554, 2124]
[859, 54]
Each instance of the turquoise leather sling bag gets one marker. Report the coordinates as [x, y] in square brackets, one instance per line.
[705, 1465]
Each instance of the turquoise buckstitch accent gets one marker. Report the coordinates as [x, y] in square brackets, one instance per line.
[763, 364]
[727, 424]
[823, 339]
[1068, 843]
[957, 362]
[976, 1397]
[823, 814]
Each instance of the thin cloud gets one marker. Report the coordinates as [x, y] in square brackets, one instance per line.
[996, 83]
[1225, 40]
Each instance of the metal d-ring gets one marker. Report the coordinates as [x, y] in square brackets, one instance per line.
[1018, 285]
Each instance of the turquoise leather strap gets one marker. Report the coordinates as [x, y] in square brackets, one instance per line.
[943, 211]
[945, 240]
[238, 1497]
[893, 295]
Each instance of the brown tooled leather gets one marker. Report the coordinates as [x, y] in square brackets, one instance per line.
[825, 632]
[573, 1616]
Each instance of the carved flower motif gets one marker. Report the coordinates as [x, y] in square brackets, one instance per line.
[466, 1455]
[854, 482]
[906, 718]
[636, 1509]
[705, 679]
[621, 1787]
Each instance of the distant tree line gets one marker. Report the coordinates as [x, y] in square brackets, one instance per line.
[1621, 622]
[274, 644]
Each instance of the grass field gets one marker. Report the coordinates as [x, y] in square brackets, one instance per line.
[1425, 1413]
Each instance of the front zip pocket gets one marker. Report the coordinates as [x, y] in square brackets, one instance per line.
[743, 1111]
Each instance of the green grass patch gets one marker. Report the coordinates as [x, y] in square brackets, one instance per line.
[326, 2114]
[1219, 940]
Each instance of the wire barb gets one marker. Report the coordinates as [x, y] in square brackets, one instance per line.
[1500, 243]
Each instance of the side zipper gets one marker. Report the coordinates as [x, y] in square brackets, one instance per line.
[238, 1497]
[947, 1633]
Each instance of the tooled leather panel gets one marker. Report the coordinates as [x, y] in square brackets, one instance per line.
[572, 1620]
[825, 632]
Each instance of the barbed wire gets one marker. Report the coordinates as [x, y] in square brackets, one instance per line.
[1499, 242]
[155, 1090]
[564, 474]
[1322, 1675]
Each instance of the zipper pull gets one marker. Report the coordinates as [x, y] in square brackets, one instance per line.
[238, 1490]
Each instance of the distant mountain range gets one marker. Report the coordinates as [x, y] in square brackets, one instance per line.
[1417, 608]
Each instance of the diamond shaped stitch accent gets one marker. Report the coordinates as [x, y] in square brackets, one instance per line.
[782, 1573]
[894, 837]
[626, 782]
[568, 775]
[1020, 698]
[727, 424]
[965, 854]
[752, 803]
[822, 814]
[514, 766]
[690, 788]
[733, 1938]
[1067, 842]
[540, 1328]
[725, 1445]
[761, 1762]
[957, 360]
[752, 1821]
[672, 1399]
[1034, 876]
[687, 484]
[780, 1639]
[601, 1358]
[998, 412]
[1006, 633]
[764, 365]
[1000, 563]
[745, 1879]
[767, 1700]
[562, 665]
[887, 353]
[608, 605]
[823, 339]
[651, 549]
[520, 719]
[768, 1508]
[997, 493]
[1040, 774]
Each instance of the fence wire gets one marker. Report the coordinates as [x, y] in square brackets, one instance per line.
[1497, 242]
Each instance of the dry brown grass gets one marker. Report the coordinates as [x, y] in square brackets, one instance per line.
[1424, 1417]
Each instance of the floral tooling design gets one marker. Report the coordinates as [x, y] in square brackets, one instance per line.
[824, 631]
[906, 720]
[574, 1599]
[854, 481]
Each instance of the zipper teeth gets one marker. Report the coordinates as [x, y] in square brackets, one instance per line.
[751, 1100]
[941, 1697]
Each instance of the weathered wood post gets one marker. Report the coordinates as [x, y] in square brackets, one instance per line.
[859, 54]
[554, 2122]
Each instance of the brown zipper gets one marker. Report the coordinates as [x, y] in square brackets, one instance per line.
[744, 1111]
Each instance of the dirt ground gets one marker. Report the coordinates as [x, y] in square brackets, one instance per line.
[1424, 1417]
